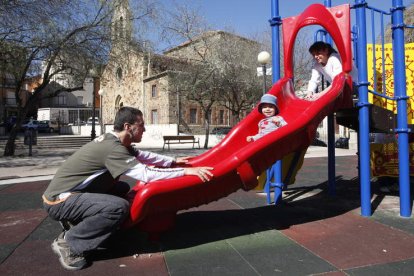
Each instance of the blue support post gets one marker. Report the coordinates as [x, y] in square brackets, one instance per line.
[363, 104]
[400, 94]
[275, 22]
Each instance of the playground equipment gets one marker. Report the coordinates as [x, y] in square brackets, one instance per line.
[366, 118]
[236, 162]
[400, 96]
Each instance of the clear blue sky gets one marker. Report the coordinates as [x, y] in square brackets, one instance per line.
[251, 16]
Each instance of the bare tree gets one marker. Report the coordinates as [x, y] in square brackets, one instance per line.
[48, 38]
[409, 20]
[198, 84]
[408, 32]
[236, 60]
[223, 70]
[302, 60]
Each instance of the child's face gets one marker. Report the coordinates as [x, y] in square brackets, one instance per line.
[321, 57]
[268, 110]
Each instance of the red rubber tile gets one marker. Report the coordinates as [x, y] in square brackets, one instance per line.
[334, 273]
[37, 258]
[15, 226]
[221, 204]
[349, 241]
[26, 187]
[144, 264]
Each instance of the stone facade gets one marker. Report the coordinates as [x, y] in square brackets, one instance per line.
[122, 85]
[143, 80]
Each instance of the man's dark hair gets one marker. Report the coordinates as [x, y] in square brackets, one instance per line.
[320, 46]
[128, 115]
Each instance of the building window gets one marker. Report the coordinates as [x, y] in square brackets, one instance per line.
[59, 100]
[193, 116]
[118, 103]
[221, 117]
[154, 90]
[154, 116]
[79, 100]
[119, 74]
[121, 25]
[209, 117]
[11, 98]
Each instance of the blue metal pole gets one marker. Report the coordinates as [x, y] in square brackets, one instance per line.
[275, 22]
[328, 39]
[363, 104]
[400, 94]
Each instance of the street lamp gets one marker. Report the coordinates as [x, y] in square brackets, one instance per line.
[263, 58]
[95, 88]
[101, 93]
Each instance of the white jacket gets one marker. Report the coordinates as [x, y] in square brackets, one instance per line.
[332, 68]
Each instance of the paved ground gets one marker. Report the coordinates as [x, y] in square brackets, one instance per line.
[308, 233]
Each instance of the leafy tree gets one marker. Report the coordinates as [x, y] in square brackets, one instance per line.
[51, 38]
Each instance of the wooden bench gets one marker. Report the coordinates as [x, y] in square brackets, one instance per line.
[180, 139]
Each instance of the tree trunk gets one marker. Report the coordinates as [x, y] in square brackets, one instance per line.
[10, 148]
[207, 130]
[235, 117]
[10, 145]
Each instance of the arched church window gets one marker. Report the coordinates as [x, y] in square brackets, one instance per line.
[122, 27]
[118, 103]
[119, 74]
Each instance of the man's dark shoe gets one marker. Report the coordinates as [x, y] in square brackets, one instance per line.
[68, 259]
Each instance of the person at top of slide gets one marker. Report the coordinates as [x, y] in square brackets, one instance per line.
[327, 63]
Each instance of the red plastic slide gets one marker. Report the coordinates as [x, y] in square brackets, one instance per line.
[236, 162]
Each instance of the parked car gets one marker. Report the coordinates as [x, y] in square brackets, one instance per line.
[9, 123]
[80, 123]
[319, 143]
[41, 126]
[48, 126]
[90, 120]
[221, 130]
[342, 143]
[30, 124]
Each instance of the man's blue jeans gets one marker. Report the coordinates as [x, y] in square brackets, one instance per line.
[96, 217]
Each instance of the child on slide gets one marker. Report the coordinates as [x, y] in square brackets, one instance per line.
[268, 107]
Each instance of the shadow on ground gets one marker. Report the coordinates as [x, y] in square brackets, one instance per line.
[195, 227]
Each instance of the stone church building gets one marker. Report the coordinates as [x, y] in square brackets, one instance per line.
[141, 79]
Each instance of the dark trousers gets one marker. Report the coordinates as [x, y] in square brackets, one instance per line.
[96, 217]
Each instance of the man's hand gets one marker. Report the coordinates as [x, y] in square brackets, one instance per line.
[249, 138]
[202, 172]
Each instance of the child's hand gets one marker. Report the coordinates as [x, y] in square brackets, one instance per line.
[276, 121]
[309, 95]
[249, 138]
